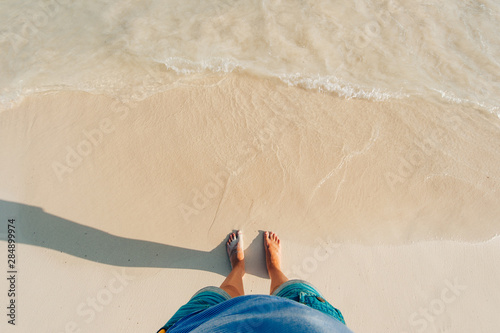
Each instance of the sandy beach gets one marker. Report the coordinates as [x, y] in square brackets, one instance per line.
[390, 211]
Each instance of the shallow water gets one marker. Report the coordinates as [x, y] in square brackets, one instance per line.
[440, 50]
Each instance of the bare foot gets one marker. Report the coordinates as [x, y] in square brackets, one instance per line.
[234, 247]
[273, 252]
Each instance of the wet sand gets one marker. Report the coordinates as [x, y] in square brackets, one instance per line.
[406, 192]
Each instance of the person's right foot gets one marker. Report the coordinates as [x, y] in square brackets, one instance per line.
[273, 252]
[234, 247]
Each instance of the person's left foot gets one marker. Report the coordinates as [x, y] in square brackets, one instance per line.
[235, 250]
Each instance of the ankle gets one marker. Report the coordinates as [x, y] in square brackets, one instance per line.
[274, 272]
[239, 266]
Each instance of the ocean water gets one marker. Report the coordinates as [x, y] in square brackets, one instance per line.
[443, 50]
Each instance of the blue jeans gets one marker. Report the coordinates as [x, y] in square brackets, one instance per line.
[296, 290]
[303, 292]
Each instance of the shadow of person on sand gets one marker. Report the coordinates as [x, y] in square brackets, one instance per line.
[36, 227]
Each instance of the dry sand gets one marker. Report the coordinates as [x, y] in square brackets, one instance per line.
[397, 192]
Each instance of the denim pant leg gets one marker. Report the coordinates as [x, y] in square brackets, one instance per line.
[303, 292]
[202, 300]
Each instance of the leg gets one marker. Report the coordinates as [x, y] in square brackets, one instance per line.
[233, 284]
[201, 300]
[273, 260]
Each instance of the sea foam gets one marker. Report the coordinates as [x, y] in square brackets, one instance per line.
[356, 49]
